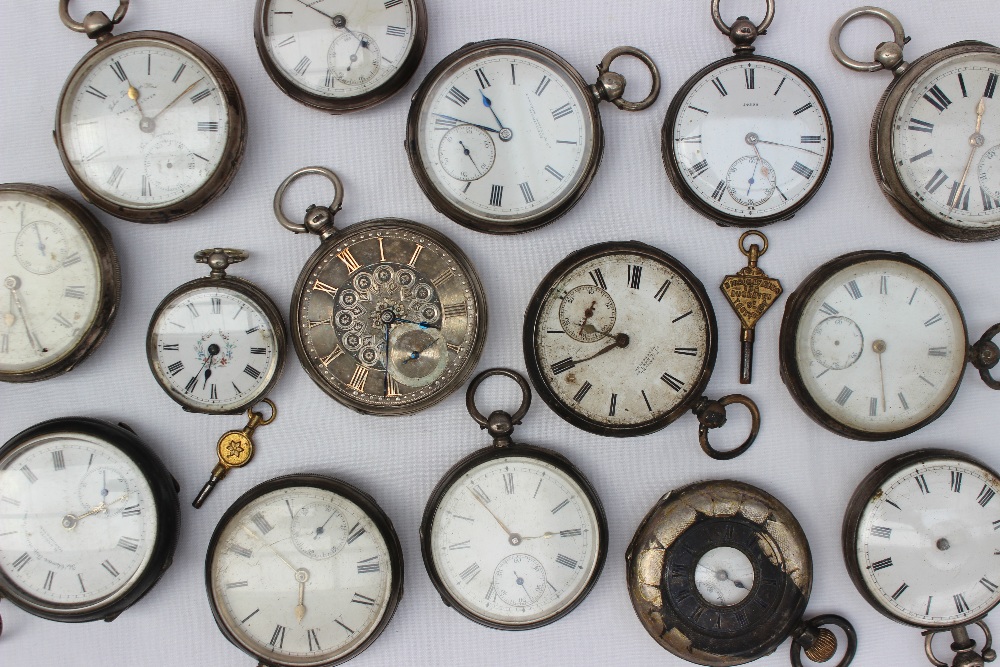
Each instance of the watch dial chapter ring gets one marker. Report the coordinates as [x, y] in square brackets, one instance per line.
[889, 54]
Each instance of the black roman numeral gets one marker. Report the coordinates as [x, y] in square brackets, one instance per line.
[959, 199]
[634, 276]
[802, 170]
[110, 568]
[662, 292]
[355, 532]
[563, 366]
[598, 278]
[672, 382]
[882, 531]
[216, 305]
[937, 98]
[119, 71]
[960, 604]
[697, 170]
[395, 31]
[483, 81]
[542, 85]
[579, 396]
[802, 109]
[985, 495]
[844, 395]
[252, 372]
[191, 385]
[720, 190]
[208, 126]
[128, 544]
[567, 561]
[278, 638]
[526, 193]
[921, 125]
[95, 92]
[175, 367]
[937, 180]
[991, 86]
[749, 78]
[32, 478]
[810, 139]
[853, 289]
[922, 484]
[21, 561]
[389, 4]
[717, 82]
[261, 523]
[457, 96]
[71, 260]
[180, 70]
[552, 170]
[363, 599]
[562, 112]
[882, 564]
[367, 567]
[956, 481]
[303, 65]
[198, 97]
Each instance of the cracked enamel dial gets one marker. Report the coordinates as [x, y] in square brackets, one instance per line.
[921, 541]
[749, 140]
[618, 338]
[146, 129]
[303, 572]
[515, 541]
[214, 349]
[80, 520]
[337, 48]
[390, 318]
[943, 135]
[879, 345]
[504, 135]
[53, 283]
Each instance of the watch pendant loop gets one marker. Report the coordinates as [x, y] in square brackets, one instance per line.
[499, 424]
[712, 414]
[257, 417]
[96, 24]
[318, 219]
[820, 644]
[963, 646]
[610, 85]
[888, 55]
[747, 36]
[985, 356]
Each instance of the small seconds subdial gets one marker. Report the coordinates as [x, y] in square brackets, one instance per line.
[319, 530]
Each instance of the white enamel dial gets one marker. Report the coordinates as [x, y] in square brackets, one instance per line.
[621, 339]
[940, 142]
[291, 604]
[215, 348]
[145, 124]
[880, 345]
[515, 540]
[528, 128]
[724, 576]
[926, 543]
[338, 48]
[79, 522]
[751, 139]
[50, 282]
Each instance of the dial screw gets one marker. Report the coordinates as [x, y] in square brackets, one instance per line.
[824, 646]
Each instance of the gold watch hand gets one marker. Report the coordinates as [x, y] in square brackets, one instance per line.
[481, 502]
[175, 100]
[300, 608]
[269, 546]
[975, 141]
[69, 521]
[543, 536]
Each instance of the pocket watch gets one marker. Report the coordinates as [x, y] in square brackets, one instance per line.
[90, 519]
[747, 140]
[873, 346]
[920, 545]
[340, 56]
[620, 340]
[303, 570]
[513, 537]
[720, 572]
[932, 149]
[217, 344]
[504, 136]
[388, 317]
[150, 127]
[61, 283]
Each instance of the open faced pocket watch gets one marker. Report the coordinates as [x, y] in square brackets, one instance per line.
[935, 138]
[720, 573]
[150, 127]
[747, 140]
[216, 344]
[61, 283]
[504, 136]
[514, 536]
[873, 346]
[90, 519]
[921, 546]
[340, 56]
[303, 570]
[387, 317]
[620, 340]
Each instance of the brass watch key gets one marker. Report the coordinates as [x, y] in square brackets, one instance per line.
[235, 450]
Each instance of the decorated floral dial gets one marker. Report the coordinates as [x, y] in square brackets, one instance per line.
[751, 139]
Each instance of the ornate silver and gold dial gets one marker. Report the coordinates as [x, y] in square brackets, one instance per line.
[389, 316]
[60, 283]
[216, 344]
[935, 131]
[303, 570]
[340, 55]
[150, 127]
[874, 345]
[90, 519]
[504, 136]
[513, 536]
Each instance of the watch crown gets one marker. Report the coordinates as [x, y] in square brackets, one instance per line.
[824, 647]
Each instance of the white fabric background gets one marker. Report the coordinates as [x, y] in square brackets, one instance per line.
[398, 460]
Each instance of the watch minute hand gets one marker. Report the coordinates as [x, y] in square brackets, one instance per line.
[465, 122]
[798, 148]
[306, 4]
[621, 340]
[975, 141]
[269, 546]
[175, 100]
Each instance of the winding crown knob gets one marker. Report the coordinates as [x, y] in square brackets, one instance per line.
[824, 647]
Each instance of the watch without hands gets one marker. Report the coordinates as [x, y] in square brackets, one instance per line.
[150, 127]
[920, 544]
[935, 132]
[388, 317]
[747, 140]
[620, 339]
[216, 344]
[91, 519]
[337, 55]
[61, 283]
[504, 136]
[514, 536]
[873, 346]
[720, 573]
[303, 570]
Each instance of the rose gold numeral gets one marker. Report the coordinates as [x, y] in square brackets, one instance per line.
[323, 287]
[337, 351]
[416, 253]
[359, 378]
[457, 349]
[381, 250]
[391, 388]
[347, 258]
[455, 309]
